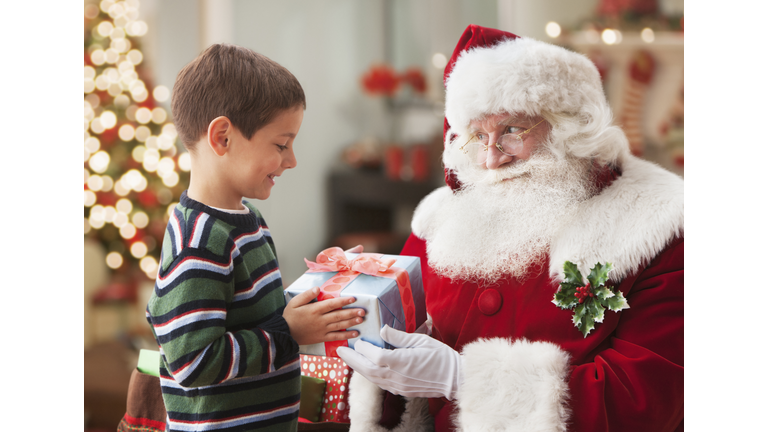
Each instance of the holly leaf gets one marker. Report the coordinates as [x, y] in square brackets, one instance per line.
[599, 274]
[603, 293]
[586, 323]
[578, 314]
[596, 310]
[564, 297]
[572, 274]
[617, 302]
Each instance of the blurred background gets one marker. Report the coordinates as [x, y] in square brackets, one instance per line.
[368, 150]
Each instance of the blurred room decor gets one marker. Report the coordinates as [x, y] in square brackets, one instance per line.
[133, 173]
[133, 169]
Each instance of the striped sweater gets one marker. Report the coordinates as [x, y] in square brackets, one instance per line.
[228, 362]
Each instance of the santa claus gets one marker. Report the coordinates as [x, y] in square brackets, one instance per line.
[537, 176]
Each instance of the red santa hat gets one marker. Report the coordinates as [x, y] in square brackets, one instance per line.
[492, 72]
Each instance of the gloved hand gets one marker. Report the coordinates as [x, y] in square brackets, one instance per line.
[418, 366]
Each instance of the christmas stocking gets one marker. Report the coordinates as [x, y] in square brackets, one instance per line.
[640, 73]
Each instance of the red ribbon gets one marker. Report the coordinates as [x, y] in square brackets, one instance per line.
[334, 260]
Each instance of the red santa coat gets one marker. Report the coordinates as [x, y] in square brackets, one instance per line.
[525, 365]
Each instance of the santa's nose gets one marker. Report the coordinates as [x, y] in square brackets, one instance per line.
[495, 158]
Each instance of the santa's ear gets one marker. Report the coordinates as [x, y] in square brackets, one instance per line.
[220, 132]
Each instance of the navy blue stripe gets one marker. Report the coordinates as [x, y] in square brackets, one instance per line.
[188, 328]
[192, 377]
[243, 365]
[236, 411]
[264, 352]
[228, 359]
[255, 275]
[230, 388]
[276, 284]
[187, 307]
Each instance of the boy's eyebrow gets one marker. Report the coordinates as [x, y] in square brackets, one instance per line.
[288, 134]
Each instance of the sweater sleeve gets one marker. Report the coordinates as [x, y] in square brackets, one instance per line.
[188, 314]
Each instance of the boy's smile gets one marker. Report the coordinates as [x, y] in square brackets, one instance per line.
[257, 162]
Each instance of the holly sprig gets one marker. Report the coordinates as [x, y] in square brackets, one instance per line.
[589, 301]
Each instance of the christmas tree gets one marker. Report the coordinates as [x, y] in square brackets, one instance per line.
[134, 170]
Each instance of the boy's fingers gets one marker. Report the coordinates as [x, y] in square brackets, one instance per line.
[351, 315]
[341, 325]
[305, 297]
[340, 335]
[333, 304]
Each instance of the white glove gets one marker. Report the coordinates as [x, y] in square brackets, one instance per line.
[418, 366]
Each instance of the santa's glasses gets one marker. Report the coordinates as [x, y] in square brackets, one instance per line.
[510, 144]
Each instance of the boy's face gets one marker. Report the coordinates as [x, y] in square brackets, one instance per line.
[257, 162]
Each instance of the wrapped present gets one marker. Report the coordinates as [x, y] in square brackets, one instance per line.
[336, 374]
[388, 287]
[312, 395]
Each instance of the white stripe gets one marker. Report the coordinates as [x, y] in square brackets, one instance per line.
[272, 353]
[176, 232]
[289, 367]
[163, 330]
[198, 264]
[234, 368]
[259, 284]
[186, 371]
[220, 424]
[193, 264]
[198, 233]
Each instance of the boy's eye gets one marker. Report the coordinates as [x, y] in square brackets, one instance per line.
[281, 147]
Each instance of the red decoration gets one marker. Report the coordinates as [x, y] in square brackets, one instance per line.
[116, 292]
[106, 198]
[641, 70]
[147, 198]
[380, 80]
[393, 162]
[420, 162]
[615, 8]
[415, 79]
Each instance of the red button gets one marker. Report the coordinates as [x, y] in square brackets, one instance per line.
[489, 302]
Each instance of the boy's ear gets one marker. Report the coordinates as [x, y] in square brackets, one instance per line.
[220, 132]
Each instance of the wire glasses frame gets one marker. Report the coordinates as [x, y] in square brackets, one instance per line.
[509, 144]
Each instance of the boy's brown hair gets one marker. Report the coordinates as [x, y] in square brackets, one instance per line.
[228, 80]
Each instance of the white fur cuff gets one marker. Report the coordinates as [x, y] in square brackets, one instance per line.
[365, 399]
[520, 386]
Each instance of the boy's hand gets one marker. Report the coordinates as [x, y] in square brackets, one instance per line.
[321, 321]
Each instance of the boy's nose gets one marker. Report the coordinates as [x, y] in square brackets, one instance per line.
[289, 161]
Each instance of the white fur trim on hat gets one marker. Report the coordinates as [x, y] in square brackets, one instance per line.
[513, 386]
[520, 76]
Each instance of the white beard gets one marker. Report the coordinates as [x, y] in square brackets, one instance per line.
[494, 228]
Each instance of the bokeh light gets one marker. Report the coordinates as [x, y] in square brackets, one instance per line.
[553, 29]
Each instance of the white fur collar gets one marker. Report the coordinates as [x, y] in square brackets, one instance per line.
[627, 224]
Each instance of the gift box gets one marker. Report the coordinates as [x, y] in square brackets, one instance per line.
[334, 406]
[312, 395]
[388, 287]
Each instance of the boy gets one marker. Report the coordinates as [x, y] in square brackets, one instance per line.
[228, 341]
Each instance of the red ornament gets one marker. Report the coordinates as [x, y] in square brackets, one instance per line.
[380, 80]
[106, 198]
[147, 198]
[415, 79]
